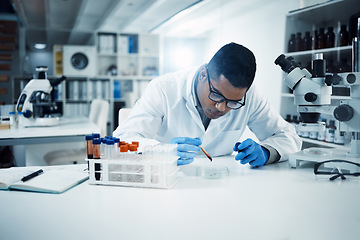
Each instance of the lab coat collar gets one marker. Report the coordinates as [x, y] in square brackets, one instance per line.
[190, 97]
[190, 84]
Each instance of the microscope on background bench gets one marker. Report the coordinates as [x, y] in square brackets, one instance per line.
[312, 95]
[37, 101]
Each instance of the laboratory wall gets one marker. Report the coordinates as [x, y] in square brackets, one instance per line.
[38, 58]
[180, 53]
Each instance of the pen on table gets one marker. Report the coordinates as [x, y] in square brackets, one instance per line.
[202, 149]
[32, 175]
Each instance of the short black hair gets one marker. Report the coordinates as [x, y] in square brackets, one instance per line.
[236, 62]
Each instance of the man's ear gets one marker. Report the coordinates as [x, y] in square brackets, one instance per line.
[203, 75]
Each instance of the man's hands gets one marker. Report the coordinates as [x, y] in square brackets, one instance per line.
[187, 149]
[251, 152]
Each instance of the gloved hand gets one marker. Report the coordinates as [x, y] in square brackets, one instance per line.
[187, 149]
[251, 152]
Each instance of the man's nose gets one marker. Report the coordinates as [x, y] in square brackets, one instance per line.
[221, 106]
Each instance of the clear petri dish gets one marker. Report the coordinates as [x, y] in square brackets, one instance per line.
[317, 151]
[212, 172]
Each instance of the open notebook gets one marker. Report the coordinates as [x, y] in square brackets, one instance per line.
[53, 180]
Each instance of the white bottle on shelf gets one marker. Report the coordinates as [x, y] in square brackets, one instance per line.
[330, 132]
[322, 134]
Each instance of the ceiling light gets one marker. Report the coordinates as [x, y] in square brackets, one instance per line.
[40, 45]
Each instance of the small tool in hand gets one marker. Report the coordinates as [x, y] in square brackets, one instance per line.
[202, 149]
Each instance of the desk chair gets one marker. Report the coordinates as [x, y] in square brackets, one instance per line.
[123, 114]
[99, 110]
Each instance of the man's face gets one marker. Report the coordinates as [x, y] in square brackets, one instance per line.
[221, 87]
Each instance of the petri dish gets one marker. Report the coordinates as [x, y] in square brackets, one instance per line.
[317, 151]
[212, 172]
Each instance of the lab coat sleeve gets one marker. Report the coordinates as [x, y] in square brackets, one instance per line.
[145, 118]
[271, 129]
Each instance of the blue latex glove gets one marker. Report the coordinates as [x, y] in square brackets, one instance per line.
[187, 149]
[251, 152]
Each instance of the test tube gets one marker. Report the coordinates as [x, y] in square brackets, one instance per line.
[96, 135]
[89, 146]
[123, 149]
[133, 148]
[102, 147]
[109, 149]
[116, 146]
[96, 148]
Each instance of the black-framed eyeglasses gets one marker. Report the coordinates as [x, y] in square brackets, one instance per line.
[218, 97]
[336, 171]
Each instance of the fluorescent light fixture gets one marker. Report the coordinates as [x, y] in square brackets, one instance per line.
[177, 15]
[40, 45]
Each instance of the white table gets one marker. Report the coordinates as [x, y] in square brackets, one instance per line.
[39, 140]
[272, 202]
[66, 130]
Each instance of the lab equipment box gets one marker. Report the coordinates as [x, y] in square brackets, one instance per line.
[135, 170]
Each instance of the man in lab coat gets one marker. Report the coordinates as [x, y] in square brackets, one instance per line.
[211, 105]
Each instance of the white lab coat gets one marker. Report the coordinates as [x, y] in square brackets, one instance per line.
[167, 110]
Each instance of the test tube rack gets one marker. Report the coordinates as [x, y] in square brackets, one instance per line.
[150, 170]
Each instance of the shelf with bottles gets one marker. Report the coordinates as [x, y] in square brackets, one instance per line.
[107, 65]
[335, 21]
[128, 65]
[331, 137]
[325, 51]
[323, 26]
[130, 54]
[150, 66]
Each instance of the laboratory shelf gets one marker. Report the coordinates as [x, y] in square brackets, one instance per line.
[324, 50]
[338, 58]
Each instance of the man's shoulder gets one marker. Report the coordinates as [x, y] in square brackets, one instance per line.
[173, 82]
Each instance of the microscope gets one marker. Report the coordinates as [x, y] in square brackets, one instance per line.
[312, 96]
[37, 102]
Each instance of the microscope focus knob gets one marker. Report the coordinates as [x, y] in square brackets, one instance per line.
[28, 114]
[351, 78]
[336, 79]
[310, 97]
[343, 113]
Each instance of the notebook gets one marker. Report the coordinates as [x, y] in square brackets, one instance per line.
[52, 180]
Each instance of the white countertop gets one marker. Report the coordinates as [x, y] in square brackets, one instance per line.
[272, 202]
[65, 127]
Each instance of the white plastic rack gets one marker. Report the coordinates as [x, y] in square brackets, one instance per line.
[154, 168]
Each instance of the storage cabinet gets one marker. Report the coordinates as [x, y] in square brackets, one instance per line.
[332, 14]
